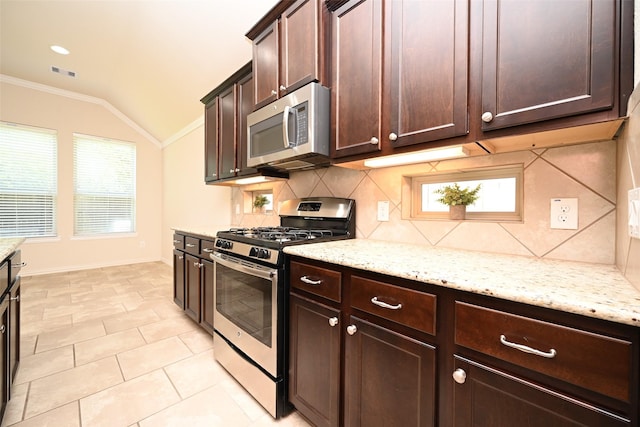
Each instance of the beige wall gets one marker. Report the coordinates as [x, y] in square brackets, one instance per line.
[628, 249]
[36, 107]
[583, 171]
[189, 203]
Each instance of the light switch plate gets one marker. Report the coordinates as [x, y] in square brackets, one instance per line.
[564, 214]
[383, 210]
[634, 213]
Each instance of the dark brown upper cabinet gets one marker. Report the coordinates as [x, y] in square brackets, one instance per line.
[400, 72]
[226, 110]
[288, 49]
[411, 75]
[543, 60]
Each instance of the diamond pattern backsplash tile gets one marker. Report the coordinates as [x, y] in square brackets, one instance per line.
[584, 171]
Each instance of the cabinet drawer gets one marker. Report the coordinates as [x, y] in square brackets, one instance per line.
[411, 308]
[178, 241]
[206, 248]
[192, 245]
[316, 280]
[15, 265]
[586, 359]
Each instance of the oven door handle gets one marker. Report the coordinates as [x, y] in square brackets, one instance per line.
[243, 267]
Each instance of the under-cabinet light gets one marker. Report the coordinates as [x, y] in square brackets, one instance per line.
[252, 180]
[417, 157]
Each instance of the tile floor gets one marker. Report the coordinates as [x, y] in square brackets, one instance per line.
[108, 347]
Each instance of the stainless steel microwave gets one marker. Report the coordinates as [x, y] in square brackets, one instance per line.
[292, 132]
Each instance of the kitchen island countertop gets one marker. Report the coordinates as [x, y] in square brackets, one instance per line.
[594, 290]
[8, 245]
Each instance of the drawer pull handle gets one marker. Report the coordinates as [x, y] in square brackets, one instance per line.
[375, 301]
[207, 250]
[189, 245]
[22, 264]
[548, 354]
[177, 241]
[305, 279]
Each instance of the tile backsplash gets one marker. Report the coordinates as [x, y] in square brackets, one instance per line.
[586, 172]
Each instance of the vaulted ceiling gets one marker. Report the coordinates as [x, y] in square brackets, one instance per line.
[150, 59]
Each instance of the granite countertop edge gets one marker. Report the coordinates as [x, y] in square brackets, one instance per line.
[594, 290]
[200, 231]
[8, 245]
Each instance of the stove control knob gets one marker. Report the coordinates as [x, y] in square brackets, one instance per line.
[264, 254]
[253, 252]
[227, 245]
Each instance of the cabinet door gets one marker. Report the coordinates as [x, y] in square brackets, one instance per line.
[178, 278]
[192, 287]
[227, 140]
[14, 330]
[206, 304]
[300, 48]
[356, 77]
[314, 367]
[390, 379]
[245, 107]
[4, 354]
[546, 59]
[426, 68]
[491, 398]
[211, 141]
[265, 65]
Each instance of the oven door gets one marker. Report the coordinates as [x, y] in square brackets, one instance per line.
[245, 298]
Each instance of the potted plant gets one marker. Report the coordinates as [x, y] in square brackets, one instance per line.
[457, 199]
[259, 202]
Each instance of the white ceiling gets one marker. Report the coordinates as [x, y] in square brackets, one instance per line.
[150, 59]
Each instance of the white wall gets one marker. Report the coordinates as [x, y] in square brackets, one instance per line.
[68, 114]
[188, 203]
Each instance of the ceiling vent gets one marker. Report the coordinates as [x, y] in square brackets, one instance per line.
[63, 71]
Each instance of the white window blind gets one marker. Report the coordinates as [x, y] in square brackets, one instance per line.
[104, 175]
[28, 181]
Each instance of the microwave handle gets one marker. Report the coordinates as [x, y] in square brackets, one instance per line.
[285, 126]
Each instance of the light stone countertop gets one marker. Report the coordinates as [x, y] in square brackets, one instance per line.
[8, 245]
[594, 290]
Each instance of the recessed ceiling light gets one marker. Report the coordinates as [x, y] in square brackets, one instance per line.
[59, 49]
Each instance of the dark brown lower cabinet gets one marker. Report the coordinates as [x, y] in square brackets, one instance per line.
[390, 379]
[314, 368]
[192, 295]
[487, 397]
[206, 303]
[14, 329]
[4, 354]
[178, 278]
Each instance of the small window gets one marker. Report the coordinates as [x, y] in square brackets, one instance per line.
[28, 181]
[104, 176]
[262, 201]
[500, 196]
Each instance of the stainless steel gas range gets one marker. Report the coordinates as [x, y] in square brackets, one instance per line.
[251, 293]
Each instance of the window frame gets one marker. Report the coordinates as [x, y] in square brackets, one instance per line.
[97, 232]
[506, 171]
[51, 223]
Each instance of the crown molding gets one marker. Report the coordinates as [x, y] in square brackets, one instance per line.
[83, 98]
[196, 124]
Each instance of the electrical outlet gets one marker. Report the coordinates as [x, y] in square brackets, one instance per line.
[383, 210]
[564, 214]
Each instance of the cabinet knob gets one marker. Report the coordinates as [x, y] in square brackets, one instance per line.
[180, 257]
[237, 169]
[198, 264]
[374, 140]
[2, 329]
[393, 137]
[273, 92]
[351, 329]
[22, 264]
[283, 87]
[459, 376]
[487, 117]
[16, 299]
[333, 321]
[232, 170]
